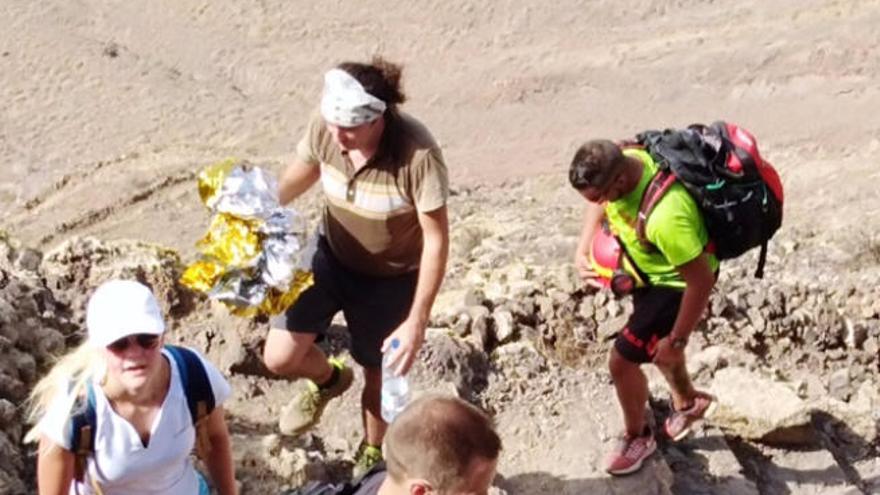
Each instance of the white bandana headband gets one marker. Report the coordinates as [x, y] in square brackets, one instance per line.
[346, 103]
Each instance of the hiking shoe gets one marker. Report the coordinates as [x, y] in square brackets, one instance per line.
[680, 423]
[367, 456]
[304, 411]
[629, 454]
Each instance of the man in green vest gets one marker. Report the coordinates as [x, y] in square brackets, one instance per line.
[677, 273]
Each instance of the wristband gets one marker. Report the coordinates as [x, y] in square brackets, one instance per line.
[678, 342]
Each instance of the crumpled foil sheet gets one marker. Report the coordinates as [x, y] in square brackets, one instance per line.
[255, 257]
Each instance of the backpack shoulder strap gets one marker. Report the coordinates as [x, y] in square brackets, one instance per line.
[198, 391]
[660, 183]
[193, 378]
[83, 423]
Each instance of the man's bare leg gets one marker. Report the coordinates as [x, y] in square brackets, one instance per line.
[295, 355]
[632, 392]
[683, 391]
[374, 425]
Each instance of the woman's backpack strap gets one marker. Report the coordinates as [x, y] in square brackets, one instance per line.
[83, 423]
[198, 391]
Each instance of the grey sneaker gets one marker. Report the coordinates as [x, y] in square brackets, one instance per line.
[304, 411]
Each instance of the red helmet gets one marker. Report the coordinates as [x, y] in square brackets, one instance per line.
[611, 265]
[605, 255]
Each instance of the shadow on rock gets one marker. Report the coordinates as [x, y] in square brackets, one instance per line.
[841, 460]
[771, 478]
[850, 450]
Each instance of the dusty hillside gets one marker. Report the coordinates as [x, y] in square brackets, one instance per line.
[108, 109]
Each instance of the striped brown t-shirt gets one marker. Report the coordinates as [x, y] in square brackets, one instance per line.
[371, 215]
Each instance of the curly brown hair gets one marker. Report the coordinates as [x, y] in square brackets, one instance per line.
[380, 78]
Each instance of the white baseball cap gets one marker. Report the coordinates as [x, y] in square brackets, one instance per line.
[120, 308]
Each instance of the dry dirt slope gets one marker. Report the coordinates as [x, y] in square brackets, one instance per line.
[108, 108]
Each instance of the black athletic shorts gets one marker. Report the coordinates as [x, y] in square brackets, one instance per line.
[373, 306]
[654, 312]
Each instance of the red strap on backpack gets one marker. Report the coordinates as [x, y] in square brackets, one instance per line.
[658, 186]
[660, 183]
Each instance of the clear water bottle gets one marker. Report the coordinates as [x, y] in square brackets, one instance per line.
[395, 388]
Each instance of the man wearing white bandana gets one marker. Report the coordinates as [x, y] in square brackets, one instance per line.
[382, 253]
[345, 102]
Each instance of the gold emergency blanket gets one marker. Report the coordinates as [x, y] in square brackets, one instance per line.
[254, 256]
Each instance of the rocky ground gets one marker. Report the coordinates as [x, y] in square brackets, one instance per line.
[109, 109]
[793, 358]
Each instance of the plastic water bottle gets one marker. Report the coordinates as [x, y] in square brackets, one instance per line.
[395, 388]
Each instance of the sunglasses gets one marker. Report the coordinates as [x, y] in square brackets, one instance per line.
[146, 341]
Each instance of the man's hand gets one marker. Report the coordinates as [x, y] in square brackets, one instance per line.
[699, 279]
[410, 335]
[593, 215]
[586, 272]
[582, 263]
[666, 354]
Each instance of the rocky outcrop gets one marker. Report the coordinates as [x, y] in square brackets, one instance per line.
[270, 454]
[33, 329]
[78, 265]
[448, 364]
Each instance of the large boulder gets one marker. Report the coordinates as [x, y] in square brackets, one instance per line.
[758, 408]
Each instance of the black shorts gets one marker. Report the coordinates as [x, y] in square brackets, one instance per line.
[373, 306]
[654, 312]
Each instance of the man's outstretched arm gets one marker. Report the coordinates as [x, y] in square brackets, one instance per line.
[700, 279]
[593, 215]
[432, 267]
[296, 179]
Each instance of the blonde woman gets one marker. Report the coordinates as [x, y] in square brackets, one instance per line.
[117, 415]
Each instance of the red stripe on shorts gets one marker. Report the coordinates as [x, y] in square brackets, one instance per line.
[632, 338]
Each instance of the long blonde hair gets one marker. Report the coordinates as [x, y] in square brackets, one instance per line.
[65, 381]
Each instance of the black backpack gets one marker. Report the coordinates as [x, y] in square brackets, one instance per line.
[367, 484]
[738, 192]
